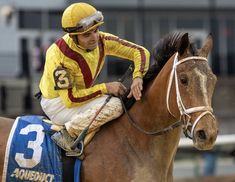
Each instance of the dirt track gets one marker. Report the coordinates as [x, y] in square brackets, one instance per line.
[209, 179]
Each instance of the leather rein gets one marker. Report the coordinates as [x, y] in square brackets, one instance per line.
[185, 118]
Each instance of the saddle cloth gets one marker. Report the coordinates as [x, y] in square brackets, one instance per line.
[31, 155]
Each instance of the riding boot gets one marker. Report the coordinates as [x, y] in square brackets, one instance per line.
[65, 141]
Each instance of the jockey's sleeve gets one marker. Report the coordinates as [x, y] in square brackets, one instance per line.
[127, 50]
[76, 97]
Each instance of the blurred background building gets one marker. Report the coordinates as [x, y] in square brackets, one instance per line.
[28, 27]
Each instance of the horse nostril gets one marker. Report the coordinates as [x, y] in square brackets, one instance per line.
[201, 134]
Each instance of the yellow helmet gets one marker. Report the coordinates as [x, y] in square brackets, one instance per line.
[79, 18]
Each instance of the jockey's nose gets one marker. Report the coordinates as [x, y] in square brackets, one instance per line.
[201, 135]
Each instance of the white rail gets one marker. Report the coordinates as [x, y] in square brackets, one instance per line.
[221, 140]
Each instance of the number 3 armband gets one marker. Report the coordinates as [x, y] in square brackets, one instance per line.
[62, 78]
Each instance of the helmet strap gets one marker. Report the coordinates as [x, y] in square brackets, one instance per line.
[75, 39]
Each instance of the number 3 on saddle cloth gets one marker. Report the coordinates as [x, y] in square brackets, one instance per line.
[31, 155]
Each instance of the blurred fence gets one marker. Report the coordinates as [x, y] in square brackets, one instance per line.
[16, 98]
[191, 164]
[9, 64]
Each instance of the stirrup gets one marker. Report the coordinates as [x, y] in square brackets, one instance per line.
[75, 152]
[64, 141]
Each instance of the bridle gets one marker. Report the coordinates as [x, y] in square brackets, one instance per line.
[185, 118]
[185, 112]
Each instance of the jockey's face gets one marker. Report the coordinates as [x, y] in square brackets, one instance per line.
[89, 40]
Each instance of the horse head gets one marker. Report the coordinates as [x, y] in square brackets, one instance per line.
[194, 85]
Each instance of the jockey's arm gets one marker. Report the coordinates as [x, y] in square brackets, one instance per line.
[128, 50]
[76, 96]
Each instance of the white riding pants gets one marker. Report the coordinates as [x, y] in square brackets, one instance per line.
[77, 118]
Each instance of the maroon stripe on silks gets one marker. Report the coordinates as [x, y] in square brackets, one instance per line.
[82, 99]
[67, 51]
[141, 50]
[101, 49]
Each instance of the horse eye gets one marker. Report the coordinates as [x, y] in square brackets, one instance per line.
[184, 80]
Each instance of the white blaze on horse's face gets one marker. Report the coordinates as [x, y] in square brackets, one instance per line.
[203, 85]
[201, 89]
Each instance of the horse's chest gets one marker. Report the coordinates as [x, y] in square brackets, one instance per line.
[143, 174]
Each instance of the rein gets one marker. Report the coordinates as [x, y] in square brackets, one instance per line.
[155, 133]
[185, 117]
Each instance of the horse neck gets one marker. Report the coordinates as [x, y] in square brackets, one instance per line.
[154, 102]
[151, 114]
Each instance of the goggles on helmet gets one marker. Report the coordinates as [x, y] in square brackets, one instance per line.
[86, 23]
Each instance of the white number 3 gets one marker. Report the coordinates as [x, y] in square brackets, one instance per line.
[34, 145]
[61, 77]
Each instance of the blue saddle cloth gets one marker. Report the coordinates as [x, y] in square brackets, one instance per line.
[31, 155]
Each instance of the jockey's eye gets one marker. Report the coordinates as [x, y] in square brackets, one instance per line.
[184, 80]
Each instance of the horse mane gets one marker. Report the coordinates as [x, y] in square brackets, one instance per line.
[161, 53]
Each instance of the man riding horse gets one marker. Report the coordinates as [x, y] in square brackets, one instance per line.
[73, 62]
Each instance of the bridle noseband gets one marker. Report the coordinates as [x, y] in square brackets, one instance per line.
[185, 117]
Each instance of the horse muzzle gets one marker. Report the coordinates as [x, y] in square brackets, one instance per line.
[205, 133]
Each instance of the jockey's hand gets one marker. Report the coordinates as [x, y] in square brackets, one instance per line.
[136, 88]
[116, 88]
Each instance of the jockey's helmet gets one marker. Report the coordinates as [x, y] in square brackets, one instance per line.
[79, 18]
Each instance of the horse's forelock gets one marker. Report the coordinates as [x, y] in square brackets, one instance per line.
[166, 47]
[162, 52]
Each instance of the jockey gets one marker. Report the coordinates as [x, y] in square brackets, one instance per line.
[73, 62]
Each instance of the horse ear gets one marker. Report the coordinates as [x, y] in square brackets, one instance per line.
[183, 44]
[204, 51]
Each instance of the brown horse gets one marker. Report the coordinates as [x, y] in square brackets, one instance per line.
[133, 151]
